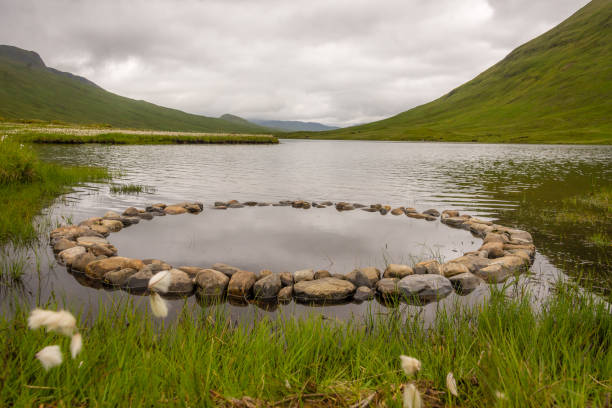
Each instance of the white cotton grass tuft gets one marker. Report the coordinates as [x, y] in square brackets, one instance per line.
[410, 365]
[61, 322]
[158, 305]
[500, 395]
[451, 384]
[76, 344]
[49, 357]
[412, 397]
[160, 282]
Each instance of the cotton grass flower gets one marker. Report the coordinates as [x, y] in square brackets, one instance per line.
[61, 322]
[500, 395]
[76, 344]
[50, 356]
[451, 384]
[410, 365]
[160, 282]
[412, 397]
[158, 305]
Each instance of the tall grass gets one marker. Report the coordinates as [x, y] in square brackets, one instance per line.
[557, 356]
[28, 184]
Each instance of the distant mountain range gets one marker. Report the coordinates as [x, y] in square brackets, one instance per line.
[556, 88]
[293, 125]
[31, 90]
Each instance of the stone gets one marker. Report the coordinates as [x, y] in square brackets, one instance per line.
[101, 229]
[450, 213]
[131, 212]
[90, 222]
[303, 275]
[369, 209]
[528, 248]
[338, 276]
[428, 267]
[343, 206]
[180, 282]
[71, 232]
[235, 206]
[383, 211]
[139, 280]
[267, 287]
[263, 204]
[521, 253]
[63, 244]
[98, 269]
[241, 284]
[220, 207]
[220, 204]
[425, 287]
[364, 277]
[67, 256]
[358, 205]
[363, 293]
[502, 268]
[495, 237]
[493, 249]
[230, 202]
[410, 210]
[193, 208]
[286, 278]
[163, 266]
[210, 282]
[226, 269]
[465, 282]
[192, 271]
[322, 274]
[120, 277]
[250, 203]
[388, 287]
[112, 225]
[416, 215]
[90, 241]
[520, 236]
[111, 214]
[433, 212]
[263, 273]
[103, 249]
[323, 290]
[129, 220]
[175, 209]
[454, 268]
[474, 263]
[145, 216]
[327, 203]
[397, 271]
[477, 228]
[306, 206]
[81, 261]
[285, 294]
[454, 221]
[398, 211]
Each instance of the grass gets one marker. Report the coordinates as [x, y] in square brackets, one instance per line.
[27, 185]
[72, 134]
[130, 189]
[28, 89]
[204, 359]
[554, 89]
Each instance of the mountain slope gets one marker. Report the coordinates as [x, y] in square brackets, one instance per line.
[30, 90]
[555, 88]
[293, 125]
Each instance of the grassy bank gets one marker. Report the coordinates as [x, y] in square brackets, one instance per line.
[27, 185]
[557, 357]
[103, 135]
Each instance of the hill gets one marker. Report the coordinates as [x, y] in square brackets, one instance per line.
[556, 88]
[31, 90]
[293, 125]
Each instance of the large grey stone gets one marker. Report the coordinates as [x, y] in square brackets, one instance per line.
[364, 277]
[267, 287]
[210, 282]
[139, 280]
[425, 287]
[180, 282]
[363, 293]
[322, 290]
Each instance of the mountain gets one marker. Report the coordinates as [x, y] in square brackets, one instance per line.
[31, 90]
[556, 88]
[293, 125]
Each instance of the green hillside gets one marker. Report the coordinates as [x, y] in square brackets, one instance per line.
[30, 90]
[556, 88]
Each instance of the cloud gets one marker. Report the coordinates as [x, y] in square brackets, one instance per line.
[342, 62]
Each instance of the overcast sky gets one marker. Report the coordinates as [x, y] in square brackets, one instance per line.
[337, 62]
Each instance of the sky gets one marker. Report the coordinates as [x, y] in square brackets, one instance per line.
[339, 62]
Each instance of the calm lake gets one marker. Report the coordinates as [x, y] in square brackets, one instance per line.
[490, 181]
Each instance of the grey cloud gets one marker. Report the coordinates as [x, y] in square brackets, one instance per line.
[341, 62]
